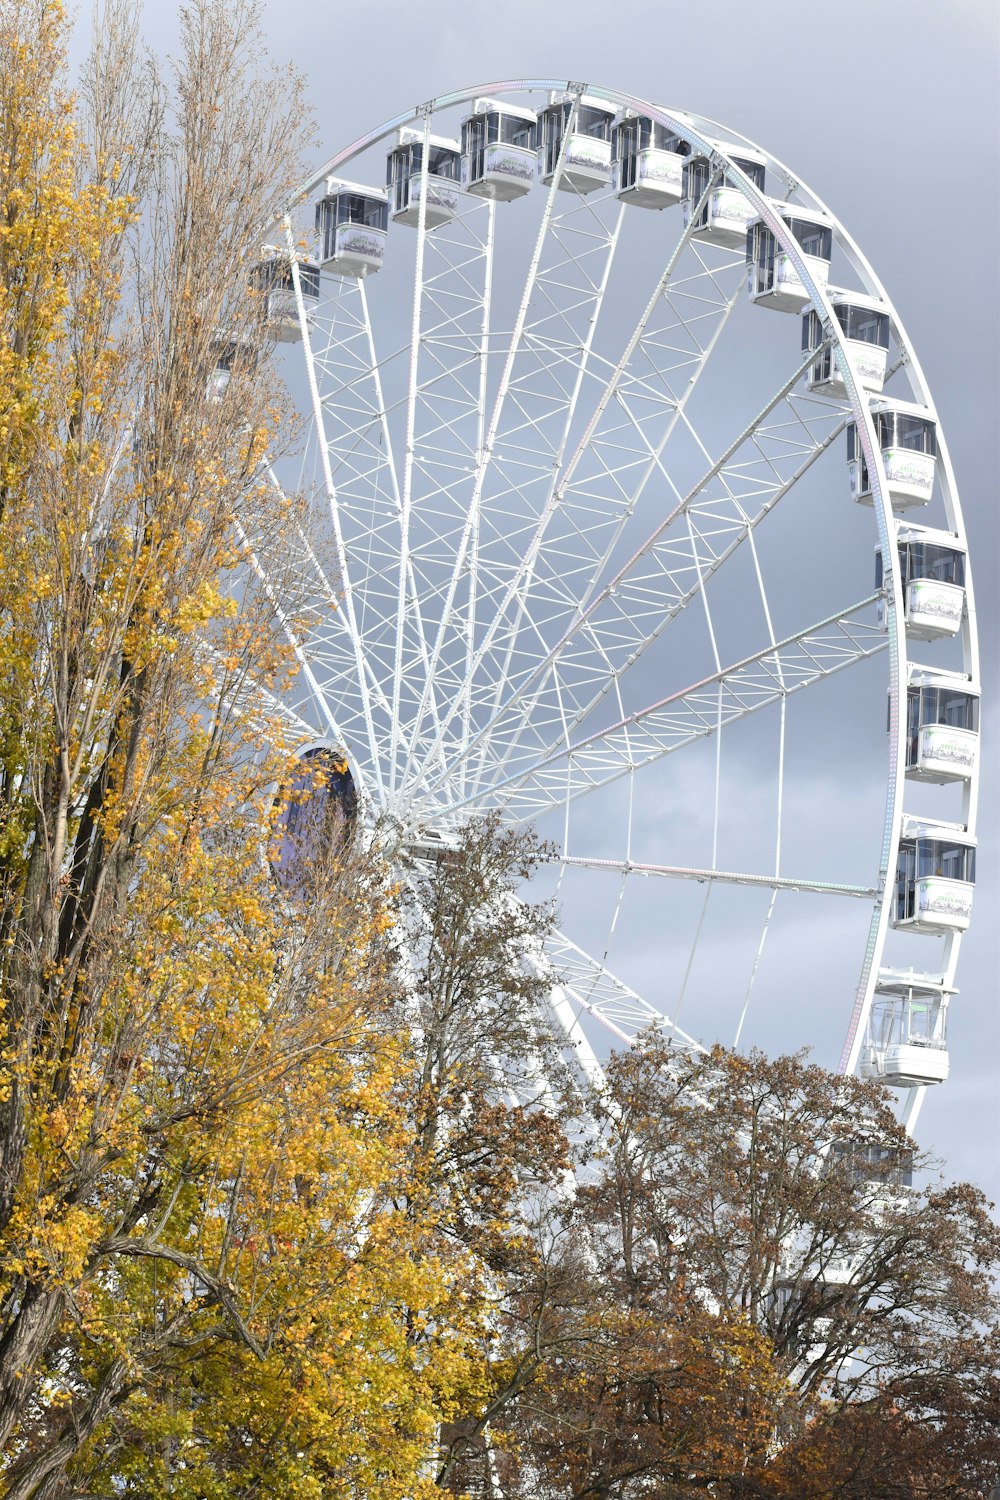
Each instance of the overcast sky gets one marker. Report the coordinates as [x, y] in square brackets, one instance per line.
[888, 110]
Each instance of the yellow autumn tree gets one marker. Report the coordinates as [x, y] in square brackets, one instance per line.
[210, 1281]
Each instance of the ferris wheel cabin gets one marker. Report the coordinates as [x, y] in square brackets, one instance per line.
[230, 353]
[580, 132]
[772, 279]
[274, 279]
[932, 576]
[935, 878]
[351, 222]
[498, 150]
[717, 210]
[864, 324]
[404, 174]
[316, 815]
[942, 726]
[647, 162]
[906, 1041]
[907, 438]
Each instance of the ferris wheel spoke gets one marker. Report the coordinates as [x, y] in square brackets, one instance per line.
[534, 403]
[573, 769]
[725, 877]
[330, 618]
[343, 581]
[704, 531]
[365, 475]
[315, 698]
[563, 497]
[591, 990]
[595, 495]
[449, 402]
[607, 638]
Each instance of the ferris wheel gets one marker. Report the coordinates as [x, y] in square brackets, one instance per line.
[599, 544]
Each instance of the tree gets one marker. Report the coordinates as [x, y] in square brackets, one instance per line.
[490, 1096]
[207, 1284]
[762, 1306]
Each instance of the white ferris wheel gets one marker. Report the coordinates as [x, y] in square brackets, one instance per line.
[599, 544]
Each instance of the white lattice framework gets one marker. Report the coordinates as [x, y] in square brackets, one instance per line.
[539, 463]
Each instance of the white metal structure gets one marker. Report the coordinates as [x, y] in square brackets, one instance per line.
[582, 549]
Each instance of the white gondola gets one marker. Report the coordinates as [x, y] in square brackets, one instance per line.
[405, 173]
[907, 436]
[725, 213]
[647, 162]
[935, 877]
[586, 160]
[273, 279]
[351, 223]
[772, 279]
[942, 726]
[906, 1042]
[498, 150]
[932, 575]
[872, 1161]
[317, 812]
[228, 353]
[864, 325]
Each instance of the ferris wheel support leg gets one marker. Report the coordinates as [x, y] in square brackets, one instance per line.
[911, 1109]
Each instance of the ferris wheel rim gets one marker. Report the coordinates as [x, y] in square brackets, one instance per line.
[684, 125]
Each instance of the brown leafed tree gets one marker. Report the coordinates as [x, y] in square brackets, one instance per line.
[746, 1299]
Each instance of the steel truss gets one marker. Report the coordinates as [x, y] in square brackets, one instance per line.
[529, 481]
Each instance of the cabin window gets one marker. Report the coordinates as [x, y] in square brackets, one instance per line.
[906, 870]
[868, 1161]
[752, 169]
[925, 560]
[628, 138]
[815, 239]
[812, 331]
[443, 161]
[309, 278]
[697, 176]
[923, 1022]
[273, 275]
[760, 253]
[358, 208]
[665, 140]
[864, 324]
[916, 433]
[474, 145]
[549, 134]
[593, 122]
[897, 430]
[514, 131]
[937, 705]
[948, 860]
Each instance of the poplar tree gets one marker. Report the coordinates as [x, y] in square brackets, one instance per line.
[204, 1274]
